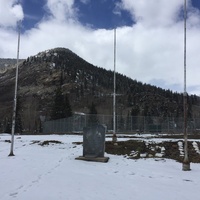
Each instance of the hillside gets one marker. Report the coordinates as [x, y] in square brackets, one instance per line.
[41, 75]
[7, 62]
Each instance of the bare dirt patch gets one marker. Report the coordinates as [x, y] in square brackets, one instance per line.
[136, 149]
[46, 142]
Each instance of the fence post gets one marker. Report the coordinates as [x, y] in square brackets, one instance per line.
[85, 120]
[131, 123]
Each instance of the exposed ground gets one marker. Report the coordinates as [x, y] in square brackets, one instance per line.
[147, 148]
[136, 146]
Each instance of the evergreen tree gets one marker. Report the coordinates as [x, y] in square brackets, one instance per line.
[67, 107]
[61, 107]
[8, 127]
[135, 111]
[121, 123]
[128, 122]
[18, 121]
[92, 115]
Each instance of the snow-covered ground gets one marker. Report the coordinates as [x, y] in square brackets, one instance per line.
[52, 173]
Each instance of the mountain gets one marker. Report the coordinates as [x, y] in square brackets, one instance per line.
[84, 84]
[7, 62]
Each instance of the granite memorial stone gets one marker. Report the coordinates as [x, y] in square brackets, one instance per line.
[94, 143]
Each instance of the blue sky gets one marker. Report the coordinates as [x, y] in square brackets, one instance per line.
[34, 12]
[196, 3]
[103, 14]
[94, 13]
[149, 35]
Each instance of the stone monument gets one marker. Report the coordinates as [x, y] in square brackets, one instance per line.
[94, 144]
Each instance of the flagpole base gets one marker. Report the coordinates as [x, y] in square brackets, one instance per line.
[11, 154]
[114, 138]
[186, 166]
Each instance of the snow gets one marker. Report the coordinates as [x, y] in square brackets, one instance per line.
[180, 145]
[195, 145]
[51, 172]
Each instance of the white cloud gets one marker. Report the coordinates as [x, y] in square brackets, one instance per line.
[61, 9]
[154, 12]
[85, 1]
[10, 12]
[150, 51]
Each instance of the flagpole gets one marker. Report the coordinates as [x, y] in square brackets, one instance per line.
[114, 138]
[15, 94]
[186, 163]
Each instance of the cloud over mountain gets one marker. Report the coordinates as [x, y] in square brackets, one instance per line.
[151, 50]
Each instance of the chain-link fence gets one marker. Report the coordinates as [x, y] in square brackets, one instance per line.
[124, 124]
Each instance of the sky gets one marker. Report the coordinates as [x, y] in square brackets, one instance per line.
[149, 35]
[51, 172]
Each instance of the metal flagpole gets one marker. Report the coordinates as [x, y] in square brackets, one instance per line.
[186, 163]
[114, 139]
[15, 94]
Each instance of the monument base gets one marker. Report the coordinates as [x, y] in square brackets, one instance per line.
[94, 159]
